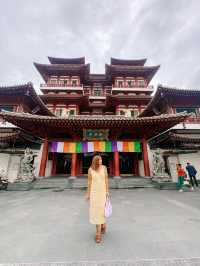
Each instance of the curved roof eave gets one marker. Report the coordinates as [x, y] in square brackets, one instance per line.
[59, 60]
[128, 62]
[44, 125]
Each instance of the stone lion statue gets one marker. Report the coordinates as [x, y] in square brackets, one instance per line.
[158, 165]
[26, 172]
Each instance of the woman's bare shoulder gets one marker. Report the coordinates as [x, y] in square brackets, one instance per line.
[104, 167]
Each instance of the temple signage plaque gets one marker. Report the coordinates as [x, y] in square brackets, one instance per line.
[95, 134]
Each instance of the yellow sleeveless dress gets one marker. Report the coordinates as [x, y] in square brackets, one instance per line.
[97, 196]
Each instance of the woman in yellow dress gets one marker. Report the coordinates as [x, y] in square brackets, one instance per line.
[96, 194]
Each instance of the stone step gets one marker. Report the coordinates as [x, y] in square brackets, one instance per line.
[20, 186]
[165, 185]
[169, 186]
[81, 183]
[46, 183]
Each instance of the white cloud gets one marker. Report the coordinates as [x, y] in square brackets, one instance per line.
[166, 32]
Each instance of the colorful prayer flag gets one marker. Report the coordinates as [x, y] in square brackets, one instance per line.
[95, 146]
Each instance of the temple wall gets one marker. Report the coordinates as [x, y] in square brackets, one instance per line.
[4, 160]
[173, 161]
[141, 167]
[150, 156]
[10, 164]
[48, 168]
[37, 161]
[13, 167]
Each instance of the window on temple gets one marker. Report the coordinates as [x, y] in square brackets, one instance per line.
[134, 113]
[189, 110]
[141, 83]
[97, 91]
[74, 82]
[65, 82]
[53, 81]
[60, 111]
[121, 112]
[129, 83]
[71, 112]
[120, 83]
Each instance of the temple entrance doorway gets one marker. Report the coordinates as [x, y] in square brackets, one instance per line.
[87, 160]
[126, 163]
[63, 163]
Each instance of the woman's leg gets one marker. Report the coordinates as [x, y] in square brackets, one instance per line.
[98, 229]
[98, 233]
[103, 228]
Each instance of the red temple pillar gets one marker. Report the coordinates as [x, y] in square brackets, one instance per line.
[78, 165]
[73, 165]
[44, 158]
[81, 165]
[116, 165]
[145, 157]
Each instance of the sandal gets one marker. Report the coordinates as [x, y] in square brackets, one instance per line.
[103, 229]
[98, 238]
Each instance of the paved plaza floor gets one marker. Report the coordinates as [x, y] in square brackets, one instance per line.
[147, 225]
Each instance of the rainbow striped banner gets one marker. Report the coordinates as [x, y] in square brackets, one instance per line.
[95, 146]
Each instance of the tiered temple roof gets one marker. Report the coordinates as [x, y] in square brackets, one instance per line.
[116, 68]
[130, 68]
[47, 70]
[165, 95]
[43, 126]
[189, 138]
[25, 94]
[176, 139]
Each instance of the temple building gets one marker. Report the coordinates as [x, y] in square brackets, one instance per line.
[181, 143]
[79, 114]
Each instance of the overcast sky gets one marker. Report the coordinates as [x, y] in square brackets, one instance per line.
[166, 32]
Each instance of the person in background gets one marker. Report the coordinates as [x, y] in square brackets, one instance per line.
[181, 175]
[192, 174]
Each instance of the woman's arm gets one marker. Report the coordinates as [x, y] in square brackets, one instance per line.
[89, 184]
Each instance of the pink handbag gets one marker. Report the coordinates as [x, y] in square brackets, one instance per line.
[108, 207]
